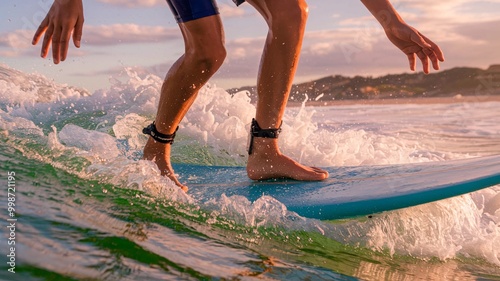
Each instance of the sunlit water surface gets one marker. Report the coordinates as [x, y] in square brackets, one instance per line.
[89, 209]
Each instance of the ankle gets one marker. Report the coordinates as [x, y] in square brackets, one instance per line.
[153, 147]
[265, 140]
[264, 147]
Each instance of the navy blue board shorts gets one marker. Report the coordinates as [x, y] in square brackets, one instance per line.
[188, 10]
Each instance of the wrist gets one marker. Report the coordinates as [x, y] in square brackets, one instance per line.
[384, 12]
[389, 19]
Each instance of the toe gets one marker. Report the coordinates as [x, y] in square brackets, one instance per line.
[320, 171]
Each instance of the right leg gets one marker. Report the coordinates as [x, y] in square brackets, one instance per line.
[182, 83]
[286, 20]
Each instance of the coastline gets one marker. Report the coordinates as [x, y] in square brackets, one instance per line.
[420, 100]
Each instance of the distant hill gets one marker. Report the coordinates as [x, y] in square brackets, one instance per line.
[463, 81]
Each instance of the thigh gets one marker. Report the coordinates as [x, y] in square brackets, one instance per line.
[204, 36]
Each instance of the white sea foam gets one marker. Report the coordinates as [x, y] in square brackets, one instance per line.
[105, 129]
[441, 229]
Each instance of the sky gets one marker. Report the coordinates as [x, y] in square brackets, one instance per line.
[341, 38]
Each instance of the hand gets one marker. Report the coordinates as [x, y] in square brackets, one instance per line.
[412, 42]
[63, 18]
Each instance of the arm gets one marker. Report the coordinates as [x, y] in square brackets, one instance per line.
[409, 40]
[64, 17]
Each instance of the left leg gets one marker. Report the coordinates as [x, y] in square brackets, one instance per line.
[199, 24]
[286, 20]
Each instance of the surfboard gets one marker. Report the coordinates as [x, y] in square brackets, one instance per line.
[350, 191]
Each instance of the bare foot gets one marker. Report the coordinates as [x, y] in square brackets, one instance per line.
[160, 154]
[267, 162]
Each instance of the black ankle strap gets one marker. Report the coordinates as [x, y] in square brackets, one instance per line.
[157, 136]
[257, 131]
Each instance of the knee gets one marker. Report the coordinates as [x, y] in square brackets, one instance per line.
[293, 16]
[209, 58]
[300, 12]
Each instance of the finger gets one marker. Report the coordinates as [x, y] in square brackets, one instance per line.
[432, 56]
[435, 48]
[425, 61]
[41, 29]
[66, 34]
[412, 61]
[46, 40]
[415, 37]
[77, 32]
[56, 45]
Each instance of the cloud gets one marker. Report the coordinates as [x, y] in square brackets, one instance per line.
[230, 11]
[227, 9]
[322, 50]
[134, 3]
[18, 43]
[480, 44]
[364, 50]
[116, 34]
[481, 31]
[438, 19]
[349, 51]
[16, 39]
[359, 47]
[446, 12]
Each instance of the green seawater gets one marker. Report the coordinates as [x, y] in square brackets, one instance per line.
[73, 228]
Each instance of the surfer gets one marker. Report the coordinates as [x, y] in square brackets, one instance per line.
[203, 34]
